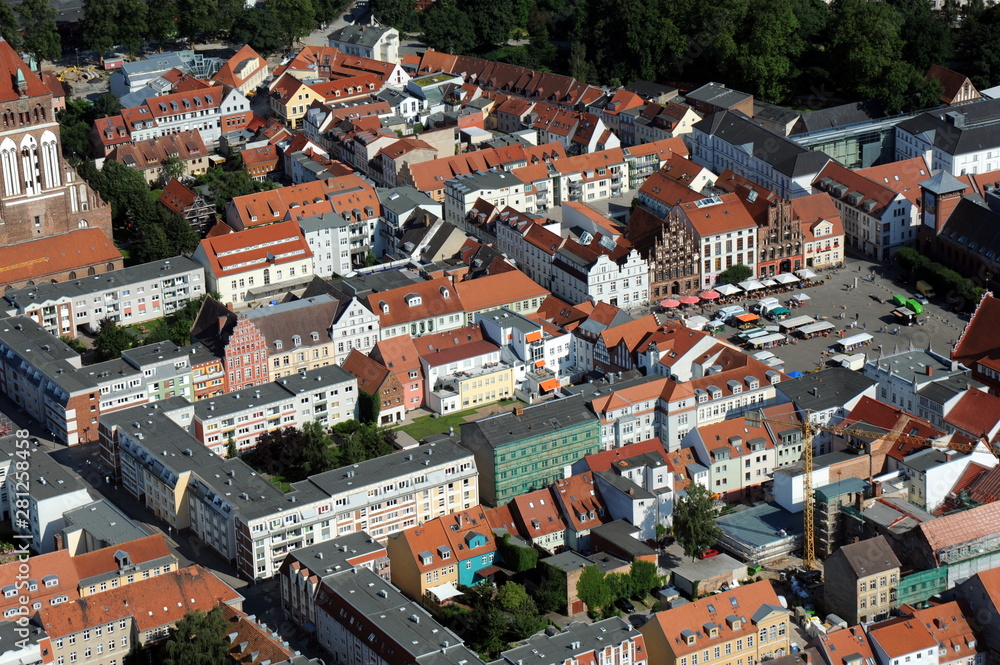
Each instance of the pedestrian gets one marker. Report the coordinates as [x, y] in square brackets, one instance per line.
[864, 326]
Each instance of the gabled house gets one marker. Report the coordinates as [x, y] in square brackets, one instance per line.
[581, 507]
[399, 355]
[376, 380]
[539, 520]
[181, 200]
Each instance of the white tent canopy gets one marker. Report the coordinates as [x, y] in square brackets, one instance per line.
[751, 285]
[796, 322]
[802, 297]
[786, 278]
[805, 273]
[768, 282]
[443, 592]
[727, 289]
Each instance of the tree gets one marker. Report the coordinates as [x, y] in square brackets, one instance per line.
[257, 28]
[162, 18]
[131, 25]
[315, 454]
[106, 105]
[393, 12]
[448, 29]
[981, 34]
[734, 275]
[294, 18]
[41, 37]
[9, 29]
[111, 341]
[523, 619]
[174, 168]
[99, 28]
[619, 586]
[231, 450]
[592, 589]
[694, 521]
[926, 34]
[551, 594]
[369, 407]
[198, 639]
[769, 50]
[515, 557]
[644, 577]
[492, 20]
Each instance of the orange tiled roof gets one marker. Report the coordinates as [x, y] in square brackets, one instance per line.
[57, 254]
[177, 197]
[251, 644]
[101, 561]
[603, 460]
[977, 412]
[538, 513]
[902, 637]
[979, 338]
[581, 506]
[152, 603]
[491, 291]
[725, 217]
[436, 297]
[964, 527]
[10, 64]
[371, 373]
[248, 250]
[227, 73]
[903, 176]
[743, 602]
[57, 566]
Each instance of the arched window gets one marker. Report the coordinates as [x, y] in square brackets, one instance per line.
[8, 167]
[72, 274]
[30, 166]
[91, 272]
[111, 266]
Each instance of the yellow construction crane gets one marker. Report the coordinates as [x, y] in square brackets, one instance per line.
[809, 430]
[24, 263]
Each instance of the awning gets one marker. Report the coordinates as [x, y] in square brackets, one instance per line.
[796, 322]
[817, 327]
[488, 571]
[751, 285]
[690, 300]
[786, 278]
[766, 339]
[747, 318]
[533, 336]
[854, 340]
[768, 282]
[443, 592]
[805, 273]
[728, 289]
[539, 363]
[548, 385]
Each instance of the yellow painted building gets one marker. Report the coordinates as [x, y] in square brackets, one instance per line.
[743, 626]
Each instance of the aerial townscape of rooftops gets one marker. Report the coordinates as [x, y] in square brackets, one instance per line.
[437, 332]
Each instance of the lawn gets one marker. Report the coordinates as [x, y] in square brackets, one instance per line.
[281, 483]
[427, 425]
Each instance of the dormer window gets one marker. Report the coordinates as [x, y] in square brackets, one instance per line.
[426, 558]
[277, 345]
[296, 340]
[445, 293]
[384, 306]
[413, 300]
[314, 336]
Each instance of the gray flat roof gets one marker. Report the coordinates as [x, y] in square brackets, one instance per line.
[240, 400]
[104, 522]
[759, 526]
[570, 560]
[47, 478]
[538, 420]
[826, 389]
[911, 365]
[621, 534]
[150, 353]
[403, 199]
[576, 639]
[845, 486]
[333, 556]
[313, 379]
[115, 279]
[326, 220]
[58, 362]
[512, 319]
[383, 468]
[700, 569]
[385, 606]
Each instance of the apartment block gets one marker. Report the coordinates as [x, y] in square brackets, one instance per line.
[529, 447]
[250, 521]
[865, 575]
[131, 295]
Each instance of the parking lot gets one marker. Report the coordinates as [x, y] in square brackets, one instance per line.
[850, 292]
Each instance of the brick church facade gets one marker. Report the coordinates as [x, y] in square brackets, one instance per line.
[40, 194]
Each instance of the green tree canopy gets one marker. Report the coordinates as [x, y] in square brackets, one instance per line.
[448, 29]
[592, 588]
[644, 577]
[734, 275]
[294, 18]
[769, 50]
[41, 37]
[393, 12]
[258, 28]
[162, 19]
[694, 521]
[198, 639]
[9, 28]
[111, 341]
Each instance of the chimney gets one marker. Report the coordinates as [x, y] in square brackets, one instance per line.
[519, 410]
[930, 371]
[59, 542]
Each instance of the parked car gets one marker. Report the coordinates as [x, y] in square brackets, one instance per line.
[625, 605]
[919, 297]
[708, 554]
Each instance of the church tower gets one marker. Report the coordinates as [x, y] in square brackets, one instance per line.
[40, 195]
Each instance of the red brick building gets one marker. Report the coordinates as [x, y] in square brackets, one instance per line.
[236, 341]
[40, 195]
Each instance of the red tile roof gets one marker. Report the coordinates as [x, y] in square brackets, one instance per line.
[838, 645]
[248, 250]
[177, 197]
[977, 412]
[581, 506]
[603, 460]
[903, 176]
[57, 254]
[538, 513]
[964, 527]
[152, 603]
[436, 298]
[10, 64]
[249, 643]
[58, 564]
[952, 81]
[491, 291]
[986, 486]
[101, 561]
[246, 60]
[979, 339]
[252, 157]
[725, 217]
[813, 209]
[458, 353]
[743, 602]
[371, 374]
[902, 637]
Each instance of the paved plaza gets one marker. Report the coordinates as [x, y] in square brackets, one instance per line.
[940, 330]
